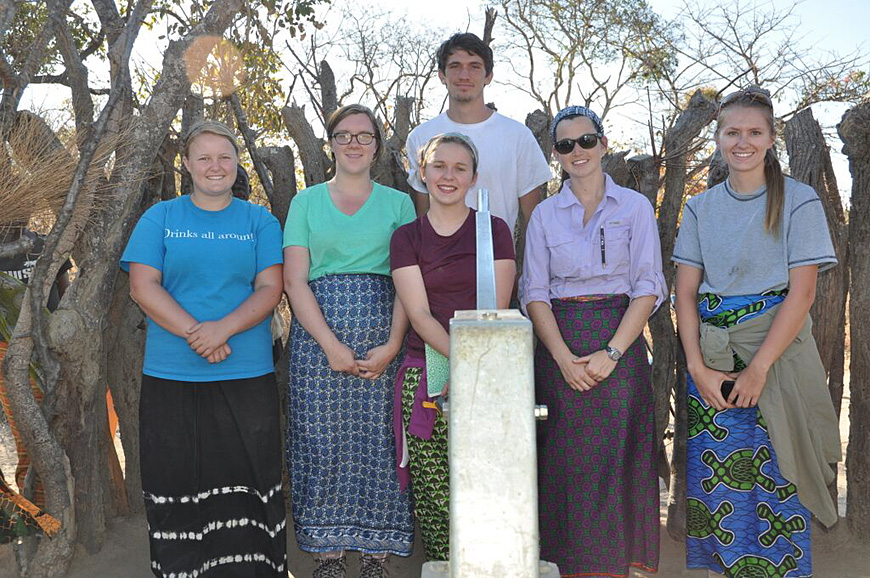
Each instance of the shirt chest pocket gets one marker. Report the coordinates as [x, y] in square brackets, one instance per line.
[616, 248]
[568, 255]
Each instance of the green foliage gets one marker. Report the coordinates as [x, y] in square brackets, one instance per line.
[30, 18]
[11, 292]
[252, 66]
[643, 42]
[261, 86]
[291, 16]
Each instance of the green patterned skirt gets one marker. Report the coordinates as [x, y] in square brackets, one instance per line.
[430, 475]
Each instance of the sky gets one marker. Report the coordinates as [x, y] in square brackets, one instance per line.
[829, 25]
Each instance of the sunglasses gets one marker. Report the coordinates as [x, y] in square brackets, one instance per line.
[750, 93]
[586, 141]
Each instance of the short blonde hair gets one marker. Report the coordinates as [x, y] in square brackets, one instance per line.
[212, 127]
[448, 137]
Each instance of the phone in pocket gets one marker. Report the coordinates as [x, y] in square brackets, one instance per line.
[727, 386]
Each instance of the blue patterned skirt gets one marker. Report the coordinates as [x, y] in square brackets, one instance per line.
[744, 518]
[340, 449]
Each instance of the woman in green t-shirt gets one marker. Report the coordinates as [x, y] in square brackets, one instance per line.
[346, 335]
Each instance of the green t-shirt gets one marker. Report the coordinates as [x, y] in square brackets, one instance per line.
[339, 243]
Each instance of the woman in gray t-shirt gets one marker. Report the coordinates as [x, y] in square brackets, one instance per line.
[749, 251]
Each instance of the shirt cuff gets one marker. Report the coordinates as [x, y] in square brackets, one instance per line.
[527, 297]
[646, 288]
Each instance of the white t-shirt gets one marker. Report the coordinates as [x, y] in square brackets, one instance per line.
[511, 162]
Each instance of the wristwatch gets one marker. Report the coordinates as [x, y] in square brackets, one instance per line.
[613, 353]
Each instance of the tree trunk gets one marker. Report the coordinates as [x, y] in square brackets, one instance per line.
[488, 25]
[810, 163]
[282, 166]
[538, 122]
[251, 143]
[314, 160]
[667, 364]
[645, 173]
[191, 112]
[168, 153]
[854, 130]
[390, 168]
[328, 91]
[125, 336]
[48, 457]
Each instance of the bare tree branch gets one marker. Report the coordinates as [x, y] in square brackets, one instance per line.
[15, 248]
[250, 143]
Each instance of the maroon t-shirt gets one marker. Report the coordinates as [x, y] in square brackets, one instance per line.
[448, 264]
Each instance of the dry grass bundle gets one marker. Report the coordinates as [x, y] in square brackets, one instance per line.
[36, 171]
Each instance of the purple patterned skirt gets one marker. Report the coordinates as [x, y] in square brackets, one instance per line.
[597, 482]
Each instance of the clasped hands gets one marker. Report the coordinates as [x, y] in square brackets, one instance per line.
[584, 373]
[209, 340]
[748, 386]
[341, 358]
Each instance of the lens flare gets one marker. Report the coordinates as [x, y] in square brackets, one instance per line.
[215, 65]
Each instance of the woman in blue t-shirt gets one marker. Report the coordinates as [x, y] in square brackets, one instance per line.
[206, 270]
[346, 335]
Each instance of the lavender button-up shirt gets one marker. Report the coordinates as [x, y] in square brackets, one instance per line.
[616, 252]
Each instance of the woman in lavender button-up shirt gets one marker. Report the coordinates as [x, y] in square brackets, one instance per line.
[591, 278]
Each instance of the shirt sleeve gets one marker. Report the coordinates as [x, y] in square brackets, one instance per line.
[502, 240]
[535, 282]
[403, 251]
[146, 243]
[534, 170]
[296, 230]
[687, 249]
[809, 241]
[268, 241]
[412, 150]
[407, 213]
[645, 251]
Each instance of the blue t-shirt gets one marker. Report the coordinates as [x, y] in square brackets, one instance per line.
[209, 260]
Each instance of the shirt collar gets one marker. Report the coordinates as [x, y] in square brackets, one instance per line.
[566, 196]
[747, 197]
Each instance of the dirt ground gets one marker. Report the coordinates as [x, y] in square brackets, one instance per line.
[125, 555]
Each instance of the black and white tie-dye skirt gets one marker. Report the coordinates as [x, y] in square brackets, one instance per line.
[211, 476]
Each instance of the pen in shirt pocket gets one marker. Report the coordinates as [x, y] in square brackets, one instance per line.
[601, 243]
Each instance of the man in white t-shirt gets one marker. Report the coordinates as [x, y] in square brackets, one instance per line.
[512, 166]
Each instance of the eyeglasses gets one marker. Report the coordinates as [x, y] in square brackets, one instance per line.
[586, 141]
[345, 138]
[751, 93]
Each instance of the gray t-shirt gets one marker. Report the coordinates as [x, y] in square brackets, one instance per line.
[723, 234]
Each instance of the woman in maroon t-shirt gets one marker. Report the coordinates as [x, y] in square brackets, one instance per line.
[433, 261]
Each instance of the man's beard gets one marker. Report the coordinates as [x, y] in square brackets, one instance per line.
[464, 97]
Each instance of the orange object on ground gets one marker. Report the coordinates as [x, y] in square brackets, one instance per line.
[23, 457]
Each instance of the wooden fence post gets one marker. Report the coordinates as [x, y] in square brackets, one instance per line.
[810, 163]
[854, 130]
